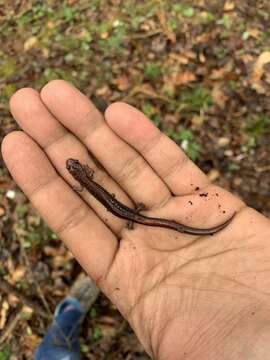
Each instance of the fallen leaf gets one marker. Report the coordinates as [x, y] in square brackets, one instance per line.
[255, 33]
[197, 120]
[62, 260]
[50, 251]
[202, 57]
[165, 26]
[213, 175]
[107, 330]
[104, 90]
[2, 211]
[4, 314]
[30, 43]
[17, 274]
[179, 58]
[13, 300]
[10, 265]
[229, 5]
[122, 83]
[31, 341]
[204, 38]
[258, 70]
[237, 181]
[219, 96]
[182, 78]
[223, 141]
[104, 35]
[50, 24]
[27, 311]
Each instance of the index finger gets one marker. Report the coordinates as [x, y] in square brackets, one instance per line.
[64, 211]
[179, 173]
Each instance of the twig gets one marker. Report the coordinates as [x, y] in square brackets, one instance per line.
[141, 89]
[7, 288]
[263, 168]
[11, 326]
[146, 35]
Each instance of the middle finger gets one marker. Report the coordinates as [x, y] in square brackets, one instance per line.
[59, 144]
[120, 160]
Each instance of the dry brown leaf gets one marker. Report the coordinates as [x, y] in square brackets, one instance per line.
[202, 57]
[255, 33]
[108, 330]
[183, 78]
[27, 310]
[30, 43]
[221, 73]
[13, 300]
[213, 175]
[179, 58]
[258, 70]
[17, 275]
[247, 58]
[61, 260]
[50, 24]
[10, 265]
[237, 181]
[223, 141]
[165, 26]
[229, 5]
[50, 251]
[197, 120]
[104, 35]
[31, 341]
[203, 38]
[191, 54]
[219, 96]
[104, 90]
[122, 83]
[2, 211]
[4, 314]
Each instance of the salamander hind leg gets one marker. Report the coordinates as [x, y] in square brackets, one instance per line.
[139, 207]
[130, 225]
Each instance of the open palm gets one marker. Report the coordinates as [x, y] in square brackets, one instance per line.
[185, 296]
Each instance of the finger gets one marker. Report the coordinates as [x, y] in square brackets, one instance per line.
[180, 174]
[91, 242]
[59, 145]
[126, 166]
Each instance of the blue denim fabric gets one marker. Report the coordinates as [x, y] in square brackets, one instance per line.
[62, 339]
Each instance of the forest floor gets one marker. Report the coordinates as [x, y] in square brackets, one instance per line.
[200, 70]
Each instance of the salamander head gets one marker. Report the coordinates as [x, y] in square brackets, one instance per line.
[74, 167]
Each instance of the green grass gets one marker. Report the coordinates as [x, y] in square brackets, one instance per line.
[5, 353]
[186, 140]
[197, 98]
[97, 333]
[151, 112]
[257, 126]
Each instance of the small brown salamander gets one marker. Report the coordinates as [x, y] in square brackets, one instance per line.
[84, 175]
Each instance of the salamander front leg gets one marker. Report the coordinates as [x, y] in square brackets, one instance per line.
[88, 171]
[139, 207]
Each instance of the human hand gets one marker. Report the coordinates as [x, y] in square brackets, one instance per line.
[185, 296]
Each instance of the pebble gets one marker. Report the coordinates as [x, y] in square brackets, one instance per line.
[10, 194]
